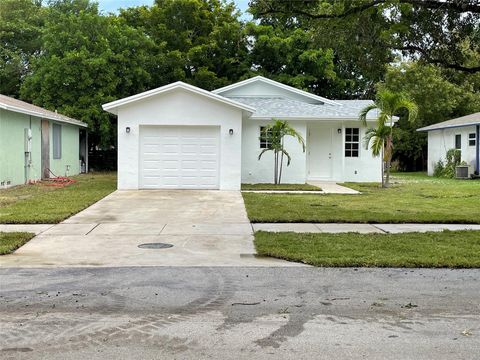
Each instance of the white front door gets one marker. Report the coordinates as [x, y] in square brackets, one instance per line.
[179, 157]
[319, 144]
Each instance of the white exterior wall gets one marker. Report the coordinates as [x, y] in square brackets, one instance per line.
[179, 108]
[440, 141]
[364, 168]
[261, 171]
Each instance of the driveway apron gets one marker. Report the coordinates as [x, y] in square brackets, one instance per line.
[206, 228]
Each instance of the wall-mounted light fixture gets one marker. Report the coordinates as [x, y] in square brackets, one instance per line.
[127, 129]
[230, 131]
[339, 131]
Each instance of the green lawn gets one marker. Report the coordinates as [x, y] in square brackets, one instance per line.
[413, 197]
[9, 242]
[452, 249]
[280, 187]
[30, 204]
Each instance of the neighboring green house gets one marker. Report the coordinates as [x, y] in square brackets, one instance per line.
[36, 143]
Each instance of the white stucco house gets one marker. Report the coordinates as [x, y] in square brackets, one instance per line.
[462, 133]
[182, 137]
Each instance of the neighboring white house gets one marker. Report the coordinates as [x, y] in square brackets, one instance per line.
[181, 136]
[462, 133]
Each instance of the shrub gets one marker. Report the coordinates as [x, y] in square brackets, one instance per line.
[447, 169]
[453, 160]
[438, 169]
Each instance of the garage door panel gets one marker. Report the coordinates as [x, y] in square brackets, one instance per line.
[170, 149]
[151, 165]
[179, 157]
[170, 164]
[207, 165]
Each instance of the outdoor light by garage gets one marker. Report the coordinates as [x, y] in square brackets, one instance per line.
[230, 131]
[339, 130]
[127, 129]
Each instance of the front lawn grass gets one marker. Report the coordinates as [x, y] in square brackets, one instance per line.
[450, 249]
[37, 204]
[413, 198]
[11, 241]
[281, 187]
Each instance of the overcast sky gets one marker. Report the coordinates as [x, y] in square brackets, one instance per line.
[113, 5]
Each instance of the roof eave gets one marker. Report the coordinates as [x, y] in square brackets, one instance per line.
[42, 116]
[428, 128]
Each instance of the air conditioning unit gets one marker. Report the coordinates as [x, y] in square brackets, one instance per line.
[463, 172]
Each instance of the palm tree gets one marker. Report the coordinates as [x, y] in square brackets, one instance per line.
[376, 138]
[388, 104]
[274, 134]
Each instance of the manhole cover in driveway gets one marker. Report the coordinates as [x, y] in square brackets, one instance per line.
[155, 246]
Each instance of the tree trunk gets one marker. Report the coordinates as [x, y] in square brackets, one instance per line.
[387, 176]
[281, 166]
[275, 177]
[389, 160]
[383, 166]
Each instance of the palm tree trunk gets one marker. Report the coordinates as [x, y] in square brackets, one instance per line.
[387, 177]
[383, 166]
[389, 160]
[275, 178]
[281, 166]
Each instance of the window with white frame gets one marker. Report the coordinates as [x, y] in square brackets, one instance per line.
[57, 141]
[264, 137]
[352, 142]
[472, 139]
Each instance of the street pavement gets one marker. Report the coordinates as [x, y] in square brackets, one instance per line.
[239, 313]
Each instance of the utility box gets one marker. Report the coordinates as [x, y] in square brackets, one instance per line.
[28, 140]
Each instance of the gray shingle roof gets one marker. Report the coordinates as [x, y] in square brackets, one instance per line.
[468, 120]
[279, 107]
[23, 107]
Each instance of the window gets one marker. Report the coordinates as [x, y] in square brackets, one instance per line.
[57, 141]
[352, 142]
[472, 139]
[458, 141]
[264, 137]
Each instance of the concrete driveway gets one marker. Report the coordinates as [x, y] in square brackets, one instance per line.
[206, 228]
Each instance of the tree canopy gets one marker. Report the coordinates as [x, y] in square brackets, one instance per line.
[445, 33]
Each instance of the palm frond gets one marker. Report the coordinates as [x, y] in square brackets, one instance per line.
[263, 152]
[362, 116]
[289, 158]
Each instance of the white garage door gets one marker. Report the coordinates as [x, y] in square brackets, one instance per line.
[179, 157]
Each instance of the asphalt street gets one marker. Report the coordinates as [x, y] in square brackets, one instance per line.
[236, 313]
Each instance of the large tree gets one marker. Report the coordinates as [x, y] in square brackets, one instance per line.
[358, 62]
[444, 33]
[199, 41]
[291, 57]
[87, 59]
[20, 27]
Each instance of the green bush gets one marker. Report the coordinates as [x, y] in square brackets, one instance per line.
[447, 170]
[438, 169]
